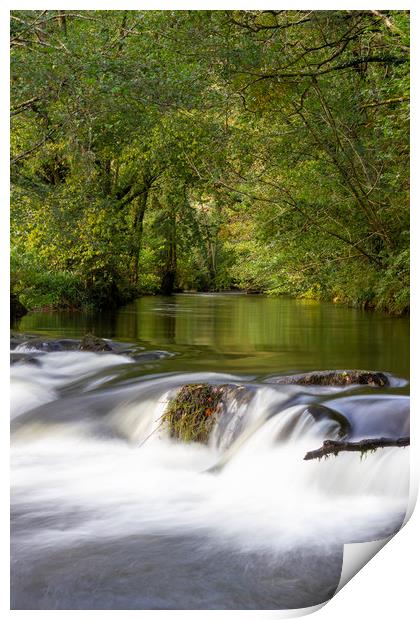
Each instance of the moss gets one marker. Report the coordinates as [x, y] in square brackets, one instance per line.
[338, 378]
[93, 343]
[191, 415]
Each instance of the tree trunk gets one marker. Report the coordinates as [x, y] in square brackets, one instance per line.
[169, 271]
[63, 23]
[168, 279]
[138, 233]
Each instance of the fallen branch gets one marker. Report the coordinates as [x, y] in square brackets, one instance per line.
[365, 445]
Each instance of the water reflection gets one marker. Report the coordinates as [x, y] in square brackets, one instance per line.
[245, 333]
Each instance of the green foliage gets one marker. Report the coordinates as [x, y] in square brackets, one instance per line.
[393, 289]
[262, 150]
[38, 288]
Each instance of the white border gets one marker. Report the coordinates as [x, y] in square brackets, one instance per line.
[387, 586]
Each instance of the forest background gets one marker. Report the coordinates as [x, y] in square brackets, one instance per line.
[156, 151]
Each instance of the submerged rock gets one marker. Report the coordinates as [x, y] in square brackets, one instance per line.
[321, 412]
[148, 356]
[336, 377]
[93, 343]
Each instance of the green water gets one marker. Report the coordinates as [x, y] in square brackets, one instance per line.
[244, 333]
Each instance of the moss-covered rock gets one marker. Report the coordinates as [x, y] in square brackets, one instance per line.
[92, 343]
[337, 377]
[191, 415]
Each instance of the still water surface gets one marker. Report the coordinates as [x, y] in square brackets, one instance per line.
[245, 333]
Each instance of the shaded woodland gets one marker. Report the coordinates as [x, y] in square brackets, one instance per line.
[159, 151]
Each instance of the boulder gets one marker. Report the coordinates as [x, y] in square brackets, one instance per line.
[336, 378]
[191, 414]
[92, 343]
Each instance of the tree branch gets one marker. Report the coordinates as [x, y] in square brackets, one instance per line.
[32, 149]
[365, 445]
[375, 104]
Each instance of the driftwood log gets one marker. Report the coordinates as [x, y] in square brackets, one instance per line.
[365, 445]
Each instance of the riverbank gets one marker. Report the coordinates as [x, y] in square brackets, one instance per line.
[18, 309]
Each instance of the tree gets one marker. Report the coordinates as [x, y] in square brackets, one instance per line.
[157, 150]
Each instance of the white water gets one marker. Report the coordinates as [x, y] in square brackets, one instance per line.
[72, 487]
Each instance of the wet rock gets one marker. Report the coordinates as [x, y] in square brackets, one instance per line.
[336, 378]
[33, 342]
[191, 414]
[40, 344]
[16, 339]
[68, 344]
[92, 343]
[88, 343]
[24, 358]
[150, 356]
[320, 412]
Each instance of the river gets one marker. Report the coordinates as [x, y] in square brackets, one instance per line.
[110, 512]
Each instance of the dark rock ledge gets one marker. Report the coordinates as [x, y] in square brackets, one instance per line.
[336, 377]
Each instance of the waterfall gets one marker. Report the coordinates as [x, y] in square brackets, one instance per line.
[96, 465]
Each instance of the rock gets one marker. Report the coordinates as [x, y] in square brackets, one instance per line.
[47, 345]
[24, 358]
[17, 339]
[336, 377]
[321, 412]
[148, 356]
[43, 345]
[192, 413]
[68, 344]
[40, 344]
[190, 416]
[92, 343]
[17, 309]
